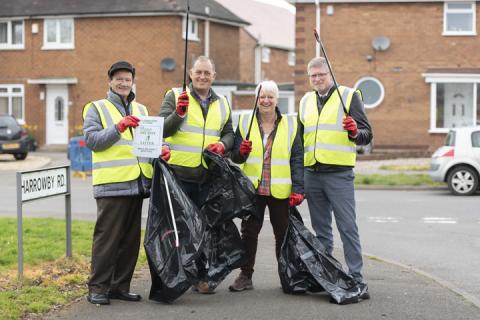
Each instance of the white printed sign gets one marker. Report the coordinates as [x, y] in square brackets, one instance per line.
[40, 184]
[147, 141]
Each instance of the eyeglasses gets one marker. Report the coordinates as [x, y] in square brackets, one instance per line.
[204, 73]
[318, 75]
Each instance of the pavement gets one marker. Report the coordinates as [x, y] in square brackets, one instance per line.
[398, 291]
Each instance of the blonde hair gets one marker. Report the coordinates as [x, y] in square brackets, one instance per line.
[267, 86]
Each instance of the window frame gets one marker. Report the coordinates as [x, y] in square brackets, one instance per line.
[192, 36]
[9, 45]
[291, 58]
[266, 52]
[434, 79]
[382, 91]
[57, 45]
[10, 95]
[472, 10]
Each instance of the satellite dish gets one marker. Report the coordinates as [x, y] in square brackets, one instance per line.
[380, 43]
[168, 64]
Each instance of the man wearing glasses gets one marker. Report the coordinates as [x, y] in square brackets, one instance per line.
[330, 134]
[195, 120]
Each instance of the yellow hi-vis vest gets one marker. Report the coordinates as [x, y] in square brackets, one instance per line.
[280, 172]
[117, 163]
[325, 141]
[196, 132]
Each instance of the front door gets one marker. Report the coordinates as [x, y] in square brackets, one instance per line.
[57, 114]
[458, 105]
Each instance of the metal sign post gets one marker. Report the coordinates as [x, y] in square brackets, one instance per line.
[38, 184]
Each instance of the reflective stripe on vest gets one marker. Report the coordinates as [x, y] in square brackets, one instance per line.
[325, 140]
[280, 171]
[196, 132]
[117, 163]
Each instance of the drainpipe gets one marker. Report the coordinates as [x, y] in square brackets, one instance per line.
[206, 51]
[317, 26]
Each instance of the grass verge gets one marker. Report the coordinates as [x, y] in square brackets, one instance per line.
[50, 279]
[396, 180]
[406, 167]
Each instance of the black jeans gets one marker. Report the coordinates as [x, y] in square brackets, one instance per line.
[251, 228]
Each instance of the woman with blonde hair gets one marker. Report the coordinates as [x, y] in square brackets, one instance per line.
[272, 158]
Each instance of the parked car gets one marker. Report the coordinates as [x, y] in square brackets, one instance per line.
[458, 161]
[13, 138]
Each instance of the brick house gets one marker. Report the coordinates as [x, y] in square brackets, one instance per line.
[416, 63]
[268, 49]
[54, 55]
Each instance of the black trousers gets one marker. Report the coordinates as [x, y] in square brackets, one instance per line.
[250, 229]
[116, 243]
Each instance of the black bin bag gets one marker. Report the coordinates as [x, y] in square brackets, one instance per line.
[172, 268]
[304, 265]
[225, 252]
[230, 193]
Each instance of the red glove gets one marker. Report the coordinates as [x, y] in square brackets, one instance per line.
[217, 148]
[351, 126]
[165, 153]
[295, 199]
[126, 122]
[182, 104]
[245, 148]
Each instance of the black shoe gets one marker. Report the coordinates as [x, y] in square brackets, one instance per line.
[363, 287]
[98, 298]
[123, 295]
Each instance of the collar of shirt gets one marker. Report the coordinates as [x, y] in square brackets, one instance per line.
[205, 102]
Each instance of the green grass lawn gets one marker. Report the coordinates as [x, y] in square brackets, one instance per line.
[406, 167]
[50, 279]
[396, 180]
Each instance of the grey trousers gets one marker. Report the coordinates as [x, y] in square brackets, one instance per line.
[334, 192]
[116, 242]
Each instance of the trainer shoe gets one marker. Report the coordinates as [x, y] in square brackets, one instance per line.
[202, 287]
[241, 283]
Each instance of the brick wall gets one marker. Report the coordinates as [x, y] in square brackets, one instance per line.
[247, 57]
[143, 41]
[243, 102]
[278, 69]
[224, 50]
[415, 31]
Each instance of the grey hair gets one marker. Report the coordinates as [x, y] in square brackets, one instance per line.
[203, 59]
[267, 86]
[318, 62]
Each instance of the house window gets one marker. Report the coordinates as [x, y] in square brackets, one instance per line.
[59, 109]
[291, 58]
[459, 18]
[11, 100]
[372, 91]
[58, 34]
[11, 34]
[192, 29]
[454, 100]
[265, 54]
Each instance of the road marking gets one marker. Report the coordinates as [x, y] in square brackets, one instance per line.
[439, 220]
[384, 219]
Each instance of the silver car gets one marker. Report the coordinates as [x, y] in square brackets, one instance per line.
[458, 161]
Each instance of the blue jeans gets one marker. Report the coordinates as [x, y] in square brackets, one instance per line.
[328, 192]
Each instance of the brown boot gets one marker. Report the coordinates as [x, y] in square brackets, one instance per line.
[241, 283]
[202, 287]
